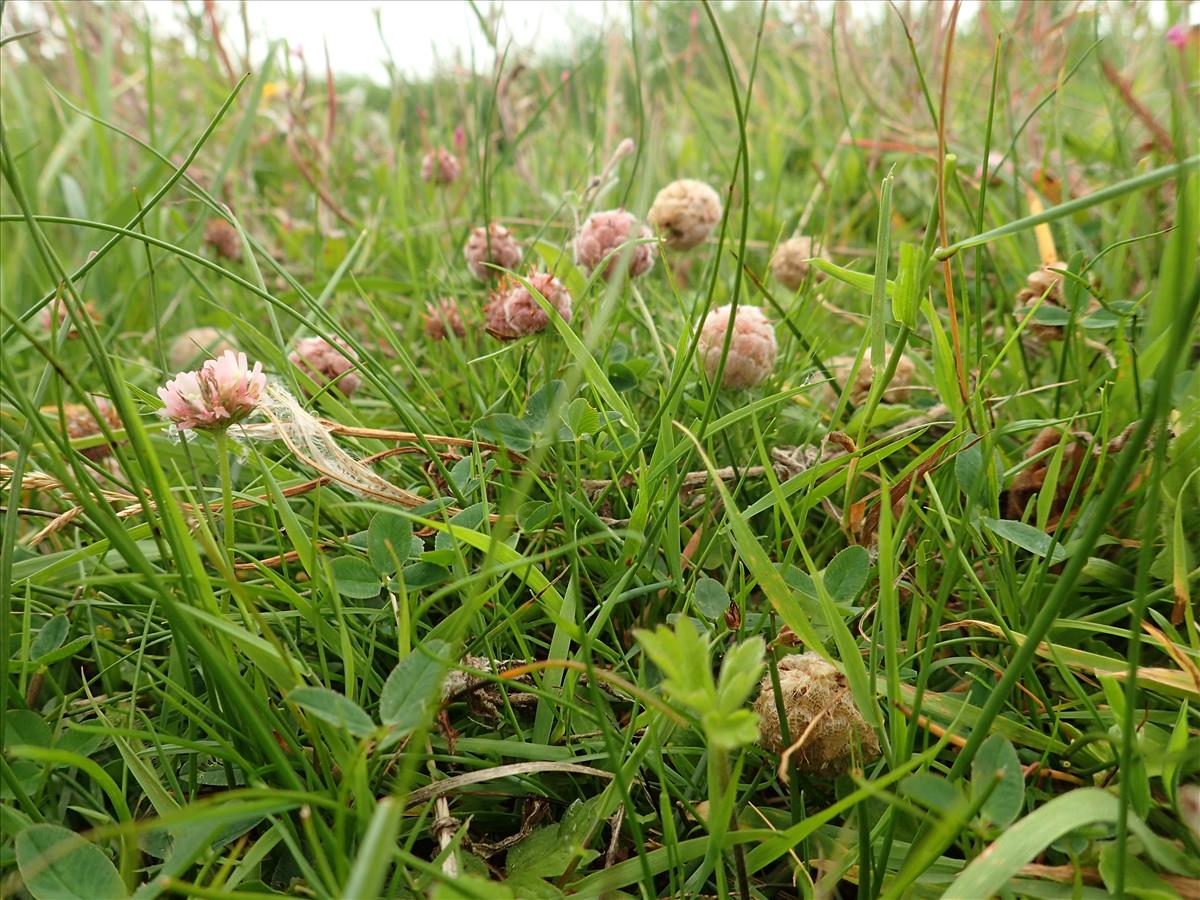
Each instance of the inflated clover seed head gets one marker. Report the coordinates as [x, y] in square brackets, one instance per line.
[324, 362]
[819, 707]
[223, 238]
[443, 317]
[605, 232]
[512, 312]
[752, 346]
[495, 245]
[685, 213]
[440, 166]
[789, 265]
[897, 390]
[196, 345]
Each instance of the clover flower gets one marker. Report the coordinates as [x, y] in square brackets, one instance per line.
[81, 423]
[443, 317]
[685, 213]
[512, 312]
[440, 166]
[605, 232]
[54, 315]
[324, 362]
[819, 709]
[206, 342]
[493, 245]
[223, 392]
[897, 390]
[223, 238]
[752, 346]
[790, 264]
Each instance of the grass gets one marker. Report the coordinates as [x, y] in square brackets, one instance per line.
[520, 659]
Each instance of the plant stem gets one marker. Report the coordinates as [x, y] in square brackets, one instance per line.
[227, 526]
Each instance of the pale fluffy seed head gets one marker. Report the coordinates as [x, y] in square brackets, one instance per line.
[325, 362]
[512, 312]
[605, 232]
[814, 691]
[221, 393]
[440, 166]
[789, 265]
[443, 317]
[494, 244]
[223, 238]
[896, 392]
[195, 345]
[685, 213]
[752, 346]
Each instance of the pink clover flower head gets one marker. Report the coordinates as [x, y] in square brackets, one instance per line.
[512, 312]
[324, 362]
[493, 244]
[221, 393]
[440, 166]
[443, 317]
[752, 347]
[1178, 35]
[605, 232]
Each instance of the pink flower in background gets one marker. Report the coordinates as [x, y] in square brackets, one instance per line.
[325, 362]
[444, 317]
[752, 346]
[606, 232]
[460, 138]
[494, 244]
[55, 316]
[1178, 35]
[512, 312]
[223, 392]
[440, 166]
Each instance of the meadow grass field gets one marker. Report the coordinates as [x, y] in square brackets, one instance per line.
[832, 535]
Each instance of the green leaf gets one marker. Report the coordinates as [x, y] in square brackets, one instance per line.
[1026, 537]
[989, 872]
[355, 578]
[729, 731]
[537, 408]
[413, 690]
[1140, 880]
[847, 573]
[968, 469]
[49, 637]
[389, 541]
[24, 726]
[740, 671]
[334, 708]
[506, 430]
[710, 597]
[931, 791]
[57, 864]
[547, 851]
[682, 656]
[582, 418]
[905, 299]
[997, 758]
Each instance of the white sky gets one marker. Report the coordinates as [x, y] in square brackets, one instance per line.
[420, 33]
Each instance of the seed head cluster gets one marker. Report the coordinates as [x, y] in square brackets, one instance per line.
[790, 263]
[495, 245]
[684, 213]
[752, 346]
[324, 362]
[512, 312]
[605, 236]
[820, 714]
[440, 166]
